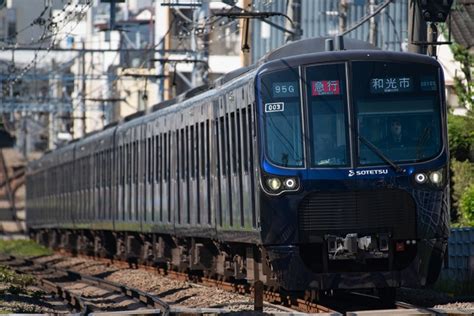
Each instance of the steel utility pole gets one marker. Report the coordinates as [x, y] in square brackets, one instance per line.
[161, 31]
[200, 44]
[294, 12]
[373, 24]
[343, 6]
[417, 29]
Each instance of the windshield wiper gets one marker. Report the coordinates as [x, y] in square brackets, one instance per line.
[422, 141]
[379, 153]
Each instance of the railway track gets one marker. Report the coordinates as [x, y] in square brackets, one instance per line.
[84, 293]
[304, 302]
[87, 294]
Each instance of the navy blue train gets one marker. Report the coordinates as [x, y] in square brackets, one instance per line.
[312, 169]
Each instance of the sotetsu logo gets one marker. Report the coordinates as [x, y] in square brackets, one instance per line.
[372, 172]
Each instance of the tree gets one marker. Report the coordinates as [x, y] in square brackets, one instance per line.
[464, 87]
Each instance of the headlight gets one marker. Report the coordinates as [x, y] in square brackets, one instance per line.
[436, 177]
[421, 178]
[290, 183]
[274, 184]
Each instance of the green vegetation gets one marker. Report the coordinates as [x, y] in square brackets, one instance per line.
[461, 143]
[466, 206]
[22, 248]
[13, 282]
[464, 86]
[461, 136]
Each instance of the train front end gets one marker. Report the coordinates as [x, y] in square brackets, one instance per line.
[353, 169]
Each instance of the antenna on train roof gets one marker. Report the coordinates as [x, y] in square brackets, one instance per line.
[329, 45]
[339, 42]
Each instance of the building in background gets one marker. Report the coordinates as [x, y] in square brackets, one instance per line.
[89, 72]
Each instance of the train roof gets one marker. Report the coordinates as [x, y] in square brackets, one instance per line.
[299, 49]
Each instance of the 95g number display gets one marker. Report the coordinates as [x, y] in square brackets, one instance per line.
[285, 89]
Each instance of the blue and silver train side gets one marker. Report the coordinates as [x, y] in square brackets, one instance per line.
[353, 161]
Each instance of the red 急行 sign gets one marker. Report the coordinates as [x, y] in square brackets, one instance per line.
[325, 87]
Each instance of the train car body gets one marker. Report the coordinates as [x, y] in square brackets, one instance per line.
[312, 170]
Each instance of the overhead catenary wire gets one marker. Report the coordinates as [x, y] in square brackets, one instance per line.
[367, 17]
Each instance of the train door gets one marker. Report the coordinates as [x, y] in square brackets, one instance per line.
[135, 196]
[244, 123]
[128, 177]
[108, 171]
[194, 210]
[175, 198]
[183, 173]
[95, 171]
[204, 217]
[157, 194]
[225, 206]
[234, 139]
[166, 213]
[148, 173]
[140, 196]
[120, 170]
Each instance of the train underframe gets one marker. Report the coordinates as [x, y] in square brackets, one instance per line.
[290, 266]
[200, 256]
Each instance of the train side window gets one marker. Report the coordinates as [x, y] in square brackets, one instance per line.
[135, 161]
[144, 160]
[193, 154]
[186, 149]
[239, 141]
[150, 165]
[127, 161]
[116, 166]
[223, 149]
[108, 163]
[203, 133]
[245, 140]
[121, 166]
[251, 132]
[104, 166]
[104, 169]
[233, 141]
[132, 162]
[181, 154]
[165, 158]
[158, 158]
[197, 164]
[228, 127]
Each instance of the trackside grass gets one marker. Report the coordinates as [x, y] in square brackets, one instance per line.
[22, 248]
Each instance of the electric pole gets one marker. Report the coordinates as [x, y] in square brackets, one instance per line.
[200, 44]
[294, 12]
[373, 24]
[343, 6]
[162, 24]
[417, 30]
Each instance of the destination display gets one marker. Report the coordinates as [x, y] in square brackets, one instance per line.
[325, 87]
[428, 83]
[391, 85]
[285, 89]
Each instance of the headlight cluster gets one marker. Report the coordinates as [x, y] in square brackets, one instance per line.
[435, 177]
[276, 184]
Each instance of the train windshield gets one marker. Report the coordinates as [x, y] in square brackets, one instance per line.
[327, 107]
[398, 110]
[280, 93]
